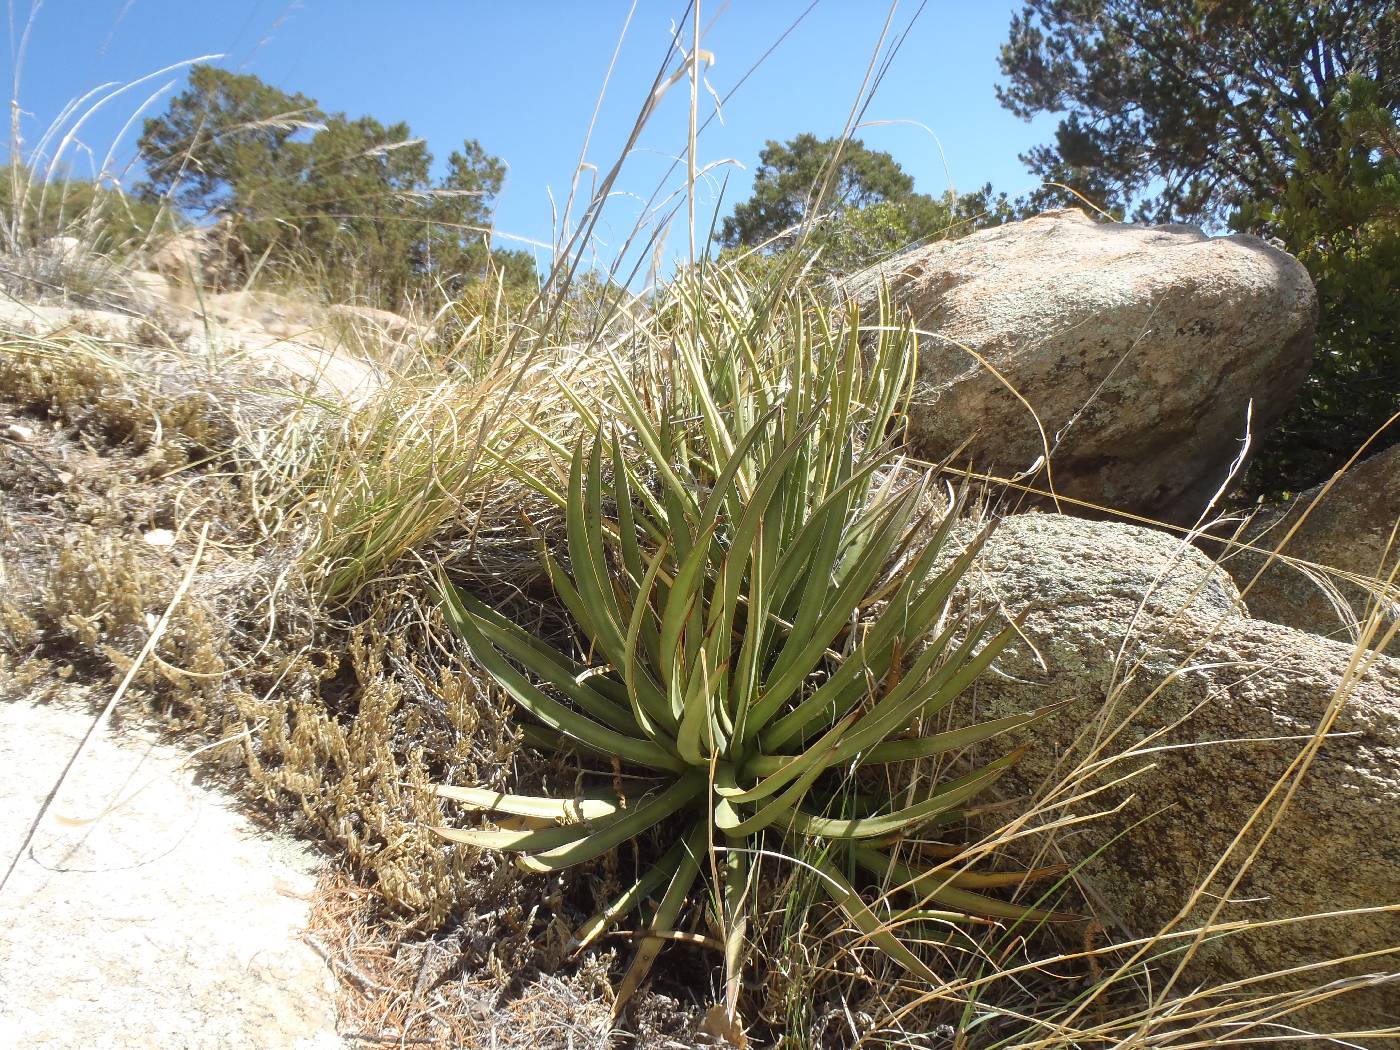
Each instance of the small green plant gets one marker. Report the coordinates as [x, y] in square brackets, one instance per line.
[761, 585]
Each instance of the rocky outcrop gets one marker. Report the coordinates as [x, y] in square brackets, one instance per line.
[1149, 642]
[1346, 545]
[309, 354]
[1131, 353]
[382, 325]
[196, 256]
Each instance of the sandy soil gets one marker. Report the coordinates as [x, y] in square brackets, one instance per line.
[148, 912]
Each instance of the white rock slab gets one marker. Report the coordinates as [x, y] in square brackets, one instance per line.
[170, 921]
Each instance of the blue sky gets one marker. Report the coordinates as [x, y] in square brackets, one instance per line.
[523, 78]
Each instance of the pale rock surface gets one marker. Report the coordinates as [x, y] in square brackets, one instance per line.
[1142, 633]
[150, 289]
[289, 318]
[1355, 529]
[307, 356]
[169, 922]
[327, 351]
[191, 257]
[1138, 349]
[51, 318]
[382, 324]
[65, 247]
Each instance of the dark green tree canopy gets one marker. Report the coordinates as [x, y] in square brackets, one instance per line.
[223, 138]
[1340, 215]
[1184, 109]
[790, 175]
[872, 210]
[352, 197]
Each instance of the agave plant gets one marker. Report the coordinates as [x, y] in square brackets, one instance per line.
[764, 594]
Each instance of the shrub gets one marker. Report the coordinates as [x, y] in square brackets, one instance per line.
[761, 590]
[35, 210]
[352, 198]
[1340, 215]
[64, 239]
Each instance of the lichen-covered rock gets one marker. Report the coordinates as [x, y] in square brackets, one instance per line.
[1352, 529]
[1139, 350]
[1144, 635]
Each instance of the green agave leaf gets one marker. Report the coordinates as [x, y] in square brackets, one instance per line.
[953, 739]
[698, 725]
[810, 555]
[683, 608]
[649, 703]
[664, 920]
[814, 632]
[845, 371]
[853, 681]
[744, 342]
[680, 613]
[912, 697]
[744, 681]
[659, 448]
[773, 810]
[746, 527]
[809, 766]
[863, 529]
[872, 657]
[778, 771]
[744, 551]
[546, 664]
[629, 824]
[573, 601]
[626, 522]
[729, 475]
[735, 926]
[543, 738]
[587, 806]
[868, 923]
[545, 708]
[937, 886]
[651, 879]
[948, 796]
[508, 841]
[892, 374]
[719, 441]
[587, 557]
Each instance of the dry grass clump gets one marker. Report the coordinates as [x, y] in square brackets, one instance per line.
[397, 987]
[99, 527]
[140, 396]
[418, 470]
[437, 466]
[65, 271]
[91, 555]
[477, 983]
[357, 751]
